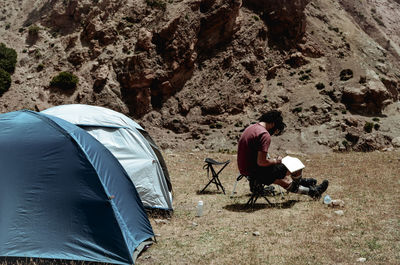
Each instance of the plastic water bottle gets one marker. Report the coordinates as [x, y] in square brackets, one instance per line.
[327, 200]
[199, 209]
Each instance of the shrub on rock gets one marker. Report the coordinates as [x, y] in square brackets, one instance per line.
[65, 81]
[8, 58]
[5, 81]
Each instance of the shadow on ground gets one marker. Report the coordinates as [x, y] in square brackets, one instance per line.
[244, 207]
[206, 192]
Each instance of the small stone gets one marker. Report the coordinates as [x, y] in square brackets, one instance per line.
[339, 212]
[396, 142]
[256, 233]
[195, 224]
[361, 259]
[161, 221]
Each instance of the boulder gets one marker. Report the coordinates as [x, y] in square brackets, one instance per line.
[396, 141]
[144, 40]
[369, 99]
[296, 60]
[100, 78]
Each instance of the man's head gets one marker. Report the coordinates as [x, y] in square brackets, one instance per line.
[274, 117]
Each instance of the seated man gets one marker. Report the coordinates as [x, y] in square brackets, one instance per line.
[253, 159]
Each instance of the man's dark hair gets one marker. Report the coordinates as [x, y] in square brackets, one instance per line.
[274, 116]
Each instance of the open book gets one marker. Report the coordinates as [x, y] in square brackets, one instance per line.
[293, 164]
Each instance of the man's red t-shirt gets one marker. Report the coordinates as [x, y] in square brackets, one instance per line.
[255, 138]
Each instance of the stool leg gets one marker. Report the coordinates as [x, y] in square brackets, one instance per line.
[234, 188]
[216, 181]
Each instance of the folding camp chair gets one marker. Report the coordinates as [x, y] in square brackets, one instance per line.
[257, 190]
[209, 166]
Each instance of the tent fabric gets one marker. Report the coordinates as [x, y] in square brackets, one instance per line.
[130, 144]
[63, 195]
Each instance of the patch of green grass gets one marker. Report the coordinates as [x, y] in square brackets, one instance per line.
[373, 244]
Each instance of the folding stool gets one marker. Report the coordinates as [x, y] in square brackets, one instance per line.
[209, 166]
[257, 190]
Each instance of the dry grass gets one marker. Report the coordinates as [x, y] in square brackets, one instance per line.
[296, 229]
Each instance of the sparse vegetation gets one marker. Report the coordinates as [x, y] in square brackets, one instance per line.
[304, 77]
[160, 4]
[320, 86]
[368, 126]
[216, 125]
[8, 58]
[379, 21]
[33, 30]
[239, 124]
[65, 81]
[346, 74]
[5, 81]
[297, 109]
[37, 54]
[40, 67]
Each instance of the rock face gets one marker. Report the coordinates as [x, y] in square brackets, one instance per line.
[196, 72]
[177, 44]
[285, 19]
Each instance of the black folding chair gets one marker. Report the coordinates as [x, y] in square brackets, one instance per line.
[257, 190]
[209, 166]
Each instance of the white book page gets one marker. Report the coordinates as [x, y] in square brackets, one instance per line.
[293, 164]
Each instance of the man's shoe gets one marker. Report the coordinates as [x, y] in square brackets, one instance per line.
[316, 192]
[308, 182]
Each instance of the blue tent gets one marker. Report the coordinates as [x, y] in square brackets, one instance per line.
[63, 195]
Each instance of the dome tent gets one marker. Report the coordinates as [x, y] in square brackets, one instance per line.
[63, 195]
[130, 144]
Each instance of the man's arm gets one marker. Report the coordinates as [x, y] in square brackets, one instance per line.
[263, 161]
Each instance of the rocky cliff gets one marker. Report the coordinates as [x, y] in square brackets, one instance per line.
[195, 73]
